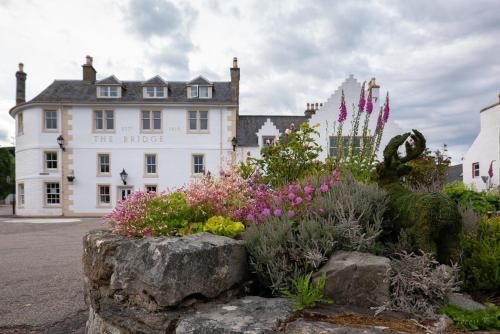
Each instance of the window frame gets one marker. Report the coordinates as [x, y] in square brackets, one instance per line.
[198, 121]
[476, 170]
[46, 168]
[156, 89]
[99, 203]
[104, 120]
[98, 164]
[21, 197]
[265, 138]
[208, 93]
[151, 113]
[104, 91]
[148, 185]
[346, 140]
[20, 123]
[146, 173]
[204, 164]
[46, 194]
[44, 120]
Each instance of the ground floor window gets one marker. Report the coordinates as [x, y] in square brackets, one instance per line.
[198, 164]
[103, 163]
[20, 194]
[151, 187]
[475, 169]
[150, 164]
[268, 140]
[104, 195]
[346, 142]
[52, 193]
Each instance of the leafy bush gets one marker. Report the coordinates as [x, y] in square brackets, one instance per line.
[487, 319]
[347, 216]
[481, 202]
[418, 283]
[305, 293]
[290, 158]
[428, 171]
[223, 226]
[481, 257]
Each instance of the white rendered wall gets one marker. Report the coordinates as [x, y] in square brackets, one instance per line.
[484, 149]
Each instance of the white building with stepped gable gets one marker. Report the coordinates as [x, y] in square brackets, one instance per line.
[83, 145]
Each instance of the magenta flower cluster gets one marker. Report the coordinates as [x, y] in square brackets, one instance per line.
[362, 101]
[369, 103]
[386, 108]
[342, 109]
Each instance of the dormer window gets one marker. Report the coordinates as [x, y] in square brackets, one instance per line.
[108, 91]
[199, 88]
[203, 92]
[154, 92]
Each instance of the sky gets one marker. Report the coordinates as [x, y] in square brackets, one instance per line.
[440, 60]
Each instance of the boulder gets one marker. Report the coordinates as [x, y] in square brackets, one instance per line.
[301, 326]
[156, 273]
[464, 302]
[251, 314]
[356, 278]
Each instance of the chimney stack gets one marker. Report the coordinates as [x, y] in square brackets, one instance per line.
[311, 109]
[235, 80]
[89, 72]
[20, 85]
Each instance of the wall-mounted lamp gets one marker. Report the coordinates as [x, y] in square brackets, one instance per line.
[124, 176]
[71, 176]
[60, 141]
[234, 141]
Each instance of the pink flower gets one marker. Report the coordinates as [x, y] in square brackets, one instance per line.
[250, 217]
[291, 196]
[369, 104]
[147, 232]
[308, 189]
[321, 210]
[335, 174]
[361, 104]
[290, 213]
[308, 198]
[379, 123]
[277, 212]
[298, 200]
[386, 108]
[288, 131]
[343, 109]
[324, 188]
[266, 212]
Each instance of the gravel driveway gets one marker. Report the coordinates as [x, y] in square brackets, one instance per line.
[41, 284]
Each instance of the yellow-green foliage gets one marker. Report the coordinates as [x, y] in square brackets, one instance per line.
[223, 226]
[481, 257]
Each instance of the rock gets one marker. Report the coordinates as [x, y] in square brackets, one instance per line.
[464, 302]
[357, 278]
[160, 272]
[96, 325]
[254, 315]
[301, 326]
[440, 326]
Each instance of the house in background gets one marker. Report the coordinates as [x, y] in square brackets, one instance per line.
[481, 163]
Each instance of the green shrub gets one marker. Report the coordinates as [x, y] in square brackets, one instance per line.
[487, 319]
[305, 293]
[481, 202]
[223, 226]
[481, 257]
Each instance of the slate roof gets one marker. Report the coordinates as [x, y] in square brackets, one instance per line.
[111, 80]
[77, 91]
[199, 80]
[249, 125]
[454, 173]
[156, 80]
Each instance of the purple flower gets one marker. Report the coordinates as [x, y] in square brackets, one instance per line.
[290, 213]
[335, 174]
[361, 104]
[386, 108]
[379, 123]
[308, 189]
[343, 109]
[308, 198]
[277, 212]
[237, 212]
[324, 188]
[266, 212]
[321, 211]
[250, 217]
[298, 200]
[369, 104]
[291, 196]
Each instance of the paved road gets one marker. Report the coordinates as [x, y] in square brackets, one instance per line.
[41, 285]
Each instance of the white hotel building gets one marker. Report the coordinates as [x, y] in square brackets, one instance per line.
[82, 145]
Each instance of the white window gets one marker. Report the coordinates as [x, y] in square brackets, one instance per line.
[103, 162]
[198, 164]
[151, 187]
[151, 120]
[194, 91]
[51, 160]
[108, 91]
[52, 193]
[203, 92]
[20, 194]
[104, 195]
[20, 124]
[333, 151]
[150, 160]
[154, 92]
[198, 120]
[50, 119]
[104, 120]
[268, 140]
[475, 169]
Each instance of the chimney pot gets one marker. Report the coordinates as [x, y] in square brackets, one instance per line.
[307, 106]
[89, 60]
[21, 67]
[316, 106]
[235, 62]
